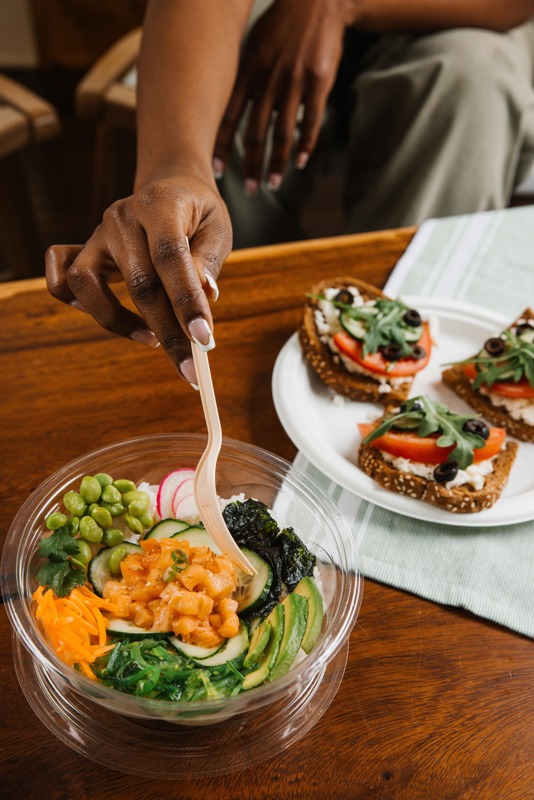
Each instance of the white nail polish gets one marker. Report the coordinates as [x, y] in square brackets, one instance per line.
[188, 371]
[210, 280]
[145, 336]
[201, 334]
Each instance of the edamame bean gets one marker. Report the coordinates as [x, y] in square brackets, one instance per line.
[75, 563]
[139, 500]
[115, 509]
[90, 530]
[146, 519]
[56, 520]
[102, 517]
[90, 489]
[104, 479]
[110, 494]
[115, 558]
[133, 523]
[74, 503]
[112, 537]
[124, 485]
[85, 554]
[73, 526]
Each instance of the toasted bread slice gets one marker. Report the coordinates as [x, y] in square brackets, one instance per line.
[455, 378]
[328, 365]
[460, 499]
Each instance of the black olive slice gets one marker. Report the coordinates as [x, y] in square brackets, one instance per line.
[495, 346]
[446, 472]
[418, 352]
[523, 328]
[476, 426]
[345, 297]
[392, 352]
[416, 406]
[412, 318]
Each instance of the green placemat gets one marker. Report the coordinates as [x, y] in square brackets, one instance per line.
[486, 259]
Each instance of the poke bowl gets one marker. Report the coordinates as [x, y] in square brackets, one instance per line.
[244, 473]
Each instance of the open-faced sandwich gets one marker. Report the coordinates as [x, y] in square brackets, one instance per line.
[498, 381]
[361, 343]
[424, 450]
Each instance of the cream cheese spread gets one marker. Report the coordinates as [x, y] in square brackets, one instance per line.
[475, 475]
[520, 408]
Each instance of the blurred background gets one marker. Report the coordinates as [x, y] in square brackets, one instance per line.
[67, 133]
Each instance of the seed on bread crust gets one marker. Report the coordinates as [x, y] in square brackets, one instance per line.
[459, 499]
[355, 386]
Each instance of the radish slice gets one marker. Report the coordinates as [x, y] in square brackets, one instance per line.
[184, 489]
[187, 508]
[168, 487]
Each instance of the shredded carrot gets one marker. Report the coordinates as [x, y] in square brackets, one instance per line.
[75, 625]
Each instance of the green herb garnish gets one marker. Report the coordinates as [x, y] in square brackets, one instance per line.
[180, 562]
[61, 572]
[383, 321]
[514, 364]
[426, 417]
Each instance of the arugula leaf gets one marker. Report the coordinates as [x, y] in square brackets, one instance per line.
[384, 323]
[514, 364]
[427, 417]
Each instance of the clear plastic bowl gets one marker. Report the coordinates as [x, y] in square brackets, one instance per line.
[295, 499]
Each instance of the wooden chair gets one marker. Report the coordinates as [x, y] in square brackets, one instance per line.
[25, 120]
[106, 96]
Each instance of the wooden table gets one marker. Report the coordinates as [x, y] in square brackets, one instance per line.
[435, 704]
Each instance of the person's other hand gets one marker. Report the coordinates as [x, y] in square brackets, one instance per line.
[167, 242]
[290, 59]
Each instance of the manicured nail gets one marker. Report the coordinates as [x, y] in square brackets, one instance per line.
[201, 334]
[250, 187]
[145, 336]
[218, 167]
[78, 305]
[274, 181]
[301, 160]
[187, 368]
[212, 283]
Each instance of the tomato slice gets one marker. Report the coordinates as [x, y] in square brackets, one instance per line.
[375, 362]
[505, 388]
[424, 448]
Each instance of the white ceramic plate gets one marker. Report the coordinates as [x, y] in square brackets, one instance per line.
[326, 432]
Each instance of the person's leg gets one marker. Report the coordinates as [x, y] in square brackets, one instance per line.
[443, 125]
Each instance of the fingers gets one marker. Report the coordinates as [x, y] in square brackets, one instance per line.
[314, 102]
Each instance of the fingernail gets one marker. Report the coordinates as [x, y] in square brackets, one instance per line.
[145, 336]
[78, 305]
[301, 160]
[250, 187]
[210, 280]
[201, 334]
[274, 181]
[187, 368]
[218, 167]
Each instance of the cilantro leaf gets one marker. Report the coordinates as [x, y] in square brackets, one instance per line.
[58, 546]
[61, 577]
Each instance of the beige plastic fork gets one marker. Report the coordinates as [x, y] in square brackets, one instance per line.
[204, 487]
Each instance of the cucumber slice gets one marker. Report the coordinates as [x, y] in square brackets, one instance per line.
[252, 590]
[233, 648]
[355, 327]
[194, 650]
[124, 627]
[166, 529]
[197, 537]
[98, 570]
[412, 334]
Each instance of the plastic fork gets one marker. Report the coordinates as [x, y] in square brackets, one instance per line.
[204, 486]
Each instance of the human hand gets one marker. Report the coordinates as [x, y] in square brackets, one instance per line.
[167, 242]
[291, 58]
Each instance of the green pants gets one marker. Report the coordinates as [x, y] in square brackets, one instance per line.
[440, 124]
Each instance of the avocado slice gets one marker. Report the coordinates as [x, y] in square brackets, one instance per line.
[295, 619]
[258, 643]
[308, 589]
[262, 671]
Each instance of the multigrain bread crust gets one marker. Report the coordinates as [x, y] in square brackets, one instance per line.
[459, 499]
[328, 366]
[455, 379]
